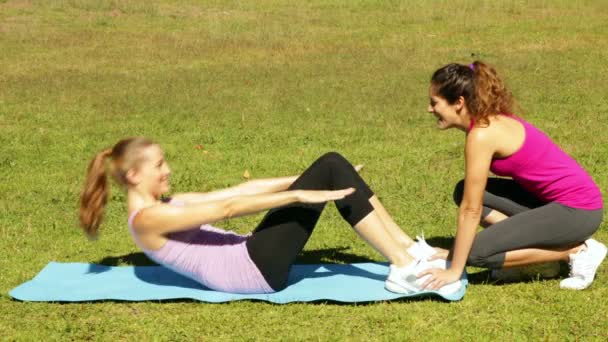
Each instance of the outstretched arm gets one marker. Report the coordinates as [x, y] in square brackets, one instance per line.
[478, 156]
[163, 218]
[252, 187]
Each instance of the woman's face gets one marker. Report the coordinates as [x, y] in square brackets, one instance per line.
[448, 115]
[153, 172]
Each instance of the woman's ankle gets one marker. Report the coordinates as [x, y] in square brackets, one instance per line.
[402, 259]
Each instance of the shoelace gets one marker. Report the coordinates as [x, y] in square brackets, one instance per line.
[581, 265]
[422, 243]
[421, 236]
[572, 262]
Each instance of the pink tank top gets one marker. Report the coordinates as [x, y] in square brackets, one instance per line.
[547, 172]
[216, 258]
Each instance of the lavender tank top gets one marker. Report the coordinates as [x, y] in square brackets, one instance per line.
[216, 258]
[547, 172]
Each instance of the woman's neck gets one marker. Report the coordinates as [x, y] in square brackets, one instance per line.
[137, 200]
[467, 123]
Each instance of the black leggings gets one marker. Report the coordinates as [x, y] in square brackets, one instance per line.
[284, 231]
[531, 223]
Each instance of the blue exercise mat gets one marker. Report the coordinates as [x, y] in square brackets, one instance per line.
[79, 282]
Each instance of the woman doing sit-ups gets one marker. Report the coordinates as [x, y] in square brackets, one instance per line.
[176, 232]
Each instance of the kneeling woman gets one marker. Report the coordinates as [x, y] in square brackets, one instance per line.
[546, 211]
[177, 234]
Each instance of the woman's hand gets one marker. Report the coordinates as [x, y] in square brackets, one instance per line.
[438, 278]
[440, 253]
[321, 196]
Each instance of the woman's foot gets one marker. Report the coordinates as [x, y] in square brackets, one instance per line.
[405, 279]
[420, 250]
[583, 265]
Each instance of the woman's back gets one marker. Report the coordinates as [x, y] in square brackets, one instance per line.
[216, 258]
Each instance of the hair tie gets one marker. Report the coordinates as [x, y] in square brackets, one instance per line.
[472, 66]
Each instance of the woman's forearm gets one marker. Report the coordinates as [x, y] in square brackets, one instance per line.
[164, 219]
[266, 185]
[251, 204]
[468, 220]
[252, 187]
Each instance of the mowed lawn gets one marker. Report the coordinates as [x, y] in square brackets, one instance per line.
[263, 88]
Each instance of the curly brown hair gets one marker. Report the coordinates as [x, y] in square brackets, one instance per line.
[484, 92]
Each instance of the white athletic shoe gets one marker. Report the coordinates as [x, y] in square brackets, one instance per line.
[421, 250]
[404, 279]
[512, 274]
[583, 265]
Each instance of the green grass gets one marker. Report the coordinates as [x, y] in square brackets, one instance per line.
[267, 86]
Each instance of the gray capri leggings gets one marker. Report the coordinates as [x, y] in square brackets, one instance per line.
[531, 223]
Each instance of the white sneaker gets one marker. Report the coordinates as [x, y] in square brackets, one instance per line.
[448, 288]
[546, 270]
[421, 250]
[583, 265]
[404, 279]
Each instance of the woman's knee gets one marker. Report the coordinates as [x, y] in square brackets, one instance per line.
[476, 260]
[480, 258]
[459, 192]
[592, 221]
[280, 286]
[334, 159]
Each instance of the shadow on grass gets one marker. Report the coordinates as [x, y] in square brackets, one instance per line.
[441, 241]
[319, 256]
[331, 255]
[484, 277]
[132, 259]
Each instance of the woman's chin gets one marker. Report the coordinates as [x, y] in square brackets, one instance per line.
[442, 124]
[165, 189]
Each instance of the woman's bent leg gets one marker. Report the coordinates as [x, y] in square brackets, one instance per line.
[284, 231]
[539, 235]
[502, 198]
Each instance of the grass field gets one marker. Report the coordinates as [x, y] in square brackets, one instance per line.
[265, 87]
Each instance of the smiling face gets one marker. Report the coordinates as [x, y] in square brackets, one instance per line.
[151, 175]
[448, 115]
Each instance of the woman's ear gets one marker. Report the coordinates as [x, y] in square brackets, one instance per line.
[133, 177]
[460, 104]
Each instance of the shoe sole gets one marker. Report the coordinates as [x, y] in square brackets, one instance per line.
[577, 288]
[397, 288]
[446, 293]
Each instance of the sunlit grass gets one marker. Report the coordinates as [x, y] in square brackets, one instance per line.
[267, 86]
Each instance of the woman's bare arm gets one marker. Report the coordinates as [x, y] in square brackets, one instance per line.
[252, 187]
[164, 218]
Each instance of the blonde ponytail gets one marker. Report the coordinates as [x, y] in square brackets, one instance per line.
[125, 155]
[95, 194]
